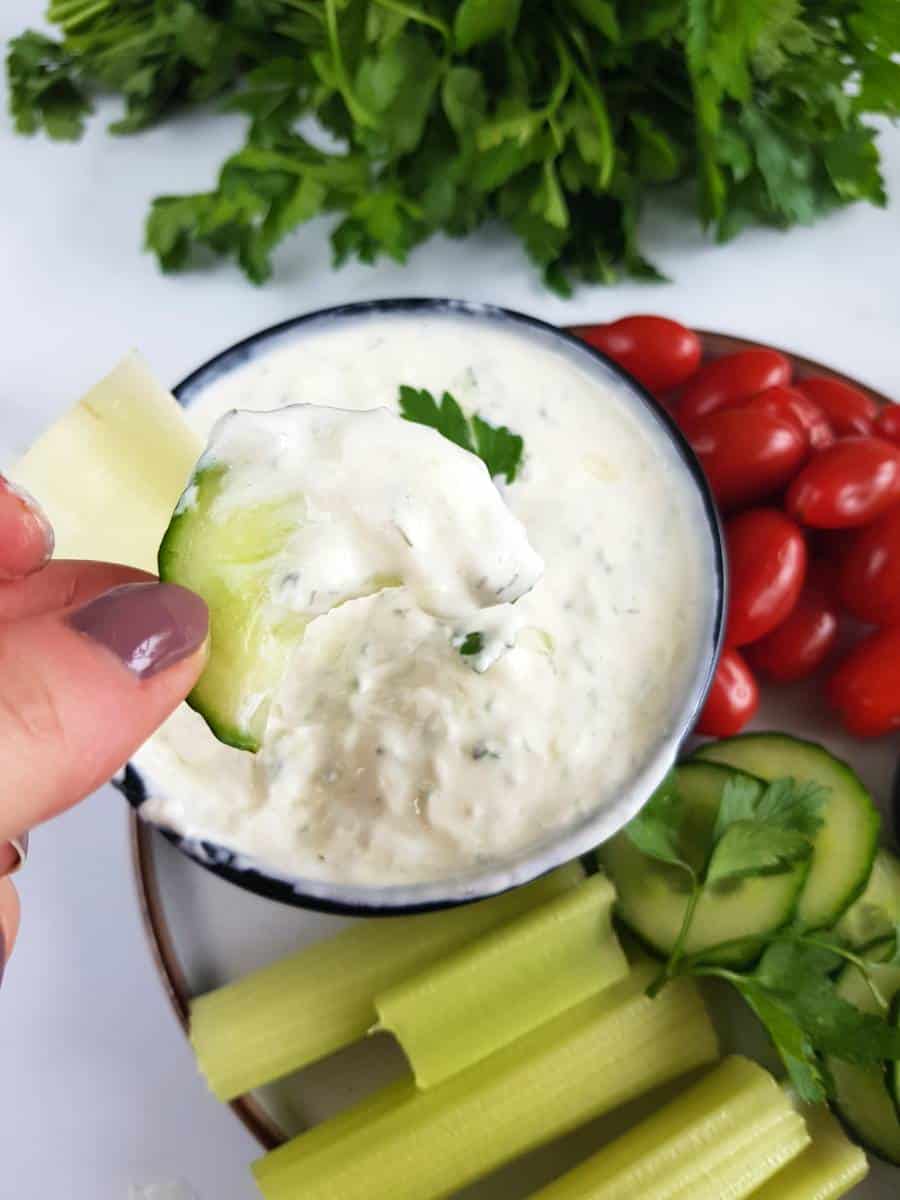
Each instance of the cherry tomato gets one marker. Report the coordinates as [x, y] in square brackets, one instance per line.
[887, 423]
[732, 700]
[847, 484]
[803, 640]
[865, 688]
[659, 353]
[788, 402]
[831, 546]
[870, 573]
[747, 453]
[731, 379]
[766, 570]
[824, 574]
[848, 410]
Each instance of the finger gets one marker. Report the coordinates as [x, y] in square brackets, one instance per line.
[63, 584]
[26, 536]
[82, 690]
[9, 921]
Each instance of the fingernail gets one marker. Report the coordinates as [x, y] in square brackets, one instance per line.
[35, 534]
[148, 626]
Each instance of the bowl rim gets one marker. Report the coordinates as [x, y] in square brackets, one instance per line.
[568, 843]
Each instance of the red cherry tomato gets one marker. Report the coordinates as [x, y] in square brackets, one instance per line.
[747, 453]
[870, 573]
[847, 484]
[731, 379]
[766, 570]
[865, 688]
[659, 353]
[831, 546]
[733, 698]
[887, 423]
[788, 402]
[824, 574]
[803, 640]
[848, 410]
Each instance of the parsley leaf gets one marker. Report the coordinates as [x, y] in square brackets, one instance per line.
[472, 644]
[749, 848]
[558, 120]
[498, 447]
[656, 830]
[762, 830]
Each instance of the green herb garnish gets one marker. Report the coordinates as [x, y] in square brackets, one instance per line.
[557, 120]
[473, 643]
[792, 988]
[498, 447]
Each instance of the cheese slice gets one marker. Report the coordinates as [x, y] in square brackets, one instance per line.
[110, 471]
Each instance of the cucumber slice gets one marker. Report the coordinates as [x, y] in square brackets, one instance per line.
[862, 1098]
[845, 846]
[229, 563]
[893, 1068]
[653, 897]
[876, 913]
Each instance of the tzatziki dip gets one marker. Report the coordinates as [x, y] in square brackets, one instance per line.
[387, 755]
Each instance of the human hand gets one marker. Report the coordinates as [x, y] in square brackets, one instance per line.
[93, 657]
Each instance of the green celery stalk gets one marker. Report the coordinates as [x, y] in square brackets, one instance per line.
[591, 1058]
[306, 1006]
[723, 1137]
[828, 1169]
[499, 987]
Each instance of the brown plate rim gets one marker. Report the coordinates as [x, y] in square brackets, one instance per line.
[247, 1108]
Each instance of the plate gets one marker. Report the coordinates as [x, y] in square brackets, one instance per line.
[204, 932]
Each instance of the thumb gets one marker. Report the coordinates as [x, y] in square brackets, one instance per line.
[81, 690]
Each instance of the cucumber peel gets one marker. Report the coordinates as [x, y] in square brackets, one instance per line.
[230, 564]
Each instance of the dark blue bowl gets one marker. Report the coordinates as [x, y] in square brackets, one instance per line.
[569, 843]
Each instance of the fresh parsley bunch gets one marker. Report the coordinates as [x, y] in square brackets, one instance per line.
[792, 987]
[557, 120]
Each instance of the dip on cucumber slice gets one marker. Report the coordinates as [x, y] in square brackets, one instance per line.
[291, 513]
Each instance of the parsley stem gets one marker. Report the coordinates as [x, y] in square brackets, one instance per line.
[677, 949]
[416, 14]
[357, 111]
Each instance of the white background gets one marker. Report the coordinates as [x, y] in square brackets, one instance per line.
[97, 1086]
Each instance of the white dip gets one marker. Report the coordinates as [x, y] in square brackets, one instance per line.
[387, 758]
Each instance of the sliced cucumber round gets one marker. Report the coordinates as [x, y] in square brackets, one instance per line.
[229, 563]
[862, 1097]
[653, 897]
[876, 913]
[844, 848]
[893, 1068]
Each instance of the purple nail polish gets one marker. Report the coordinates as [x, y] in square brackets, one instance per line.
[148, 626]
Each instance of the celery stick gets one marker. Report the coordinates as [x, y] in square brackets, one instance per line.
[308, 1005]
[497, 988]
[829, 1168]
[134, 452]
[596, 1055]
[721, 1138]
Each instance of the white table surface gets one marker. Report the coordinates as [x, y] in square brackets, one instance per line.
[97, 1085]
